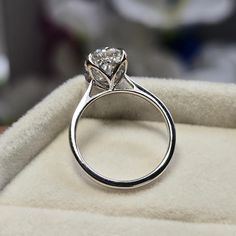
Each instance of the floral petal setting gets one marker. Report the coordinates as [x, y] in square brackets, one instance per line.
[107, 66]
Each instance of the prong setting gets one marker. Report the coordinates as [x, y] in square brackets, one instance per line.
[106, 67]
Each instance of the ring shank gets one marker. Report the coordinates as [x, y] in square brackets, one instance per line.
[139, 91]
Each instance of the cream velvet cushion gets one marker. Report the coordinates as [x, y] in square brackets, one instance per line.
[44, 192]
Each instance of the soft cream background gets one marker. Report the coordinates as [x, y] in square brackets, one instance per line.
[45, 192]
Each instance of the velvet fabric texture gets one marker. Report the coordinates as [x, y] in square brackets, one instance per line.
[44, 191]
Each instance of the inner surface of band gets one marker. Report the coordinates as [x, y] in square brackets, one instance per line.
[117, 140]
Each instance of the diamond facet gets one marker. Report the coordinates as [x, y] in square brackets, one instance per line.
[107, 59]
[106, 66]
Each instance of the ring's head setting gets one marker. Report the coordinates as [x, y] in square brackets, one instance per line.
[106, 66]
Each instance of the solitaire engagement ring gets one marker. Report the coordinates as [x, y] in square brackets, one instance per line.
[106, 69]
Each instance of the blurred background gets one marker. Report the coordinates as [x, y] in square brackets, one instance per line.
[45, 42]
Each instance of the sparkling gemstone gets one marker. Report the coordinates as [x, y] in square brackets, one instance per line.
[107, 62]
[107, 59]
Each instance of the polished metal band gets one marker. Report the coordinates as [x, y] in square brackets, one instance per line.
[135, 90]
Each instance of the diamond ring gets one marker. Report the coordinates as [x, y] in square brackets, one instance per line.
[106, 69]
